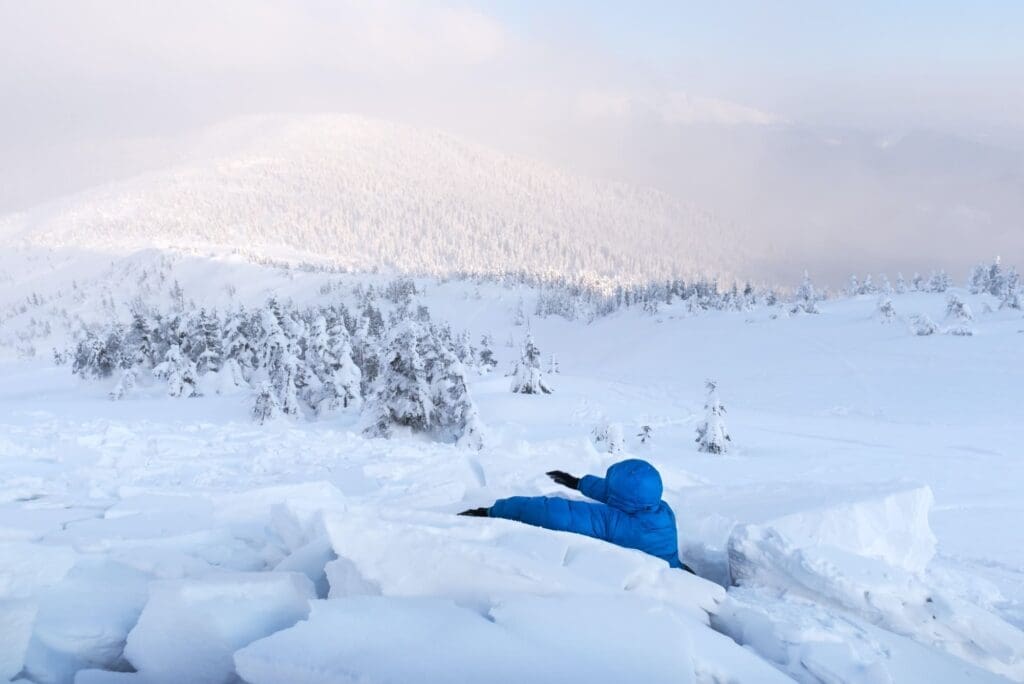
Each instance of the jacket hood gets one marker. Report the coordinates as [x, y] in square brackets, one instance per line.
[633, 485]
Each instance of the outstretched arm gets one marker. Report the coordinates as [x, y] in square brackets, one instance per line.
[594, 487]
[553, 513]
[590, 486]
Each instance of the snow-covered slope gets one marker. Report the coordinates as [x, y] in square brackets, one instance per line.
[869, 511]
[365, 195]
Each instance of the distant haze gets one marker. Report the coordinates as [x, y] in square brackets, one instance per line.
[861, 138]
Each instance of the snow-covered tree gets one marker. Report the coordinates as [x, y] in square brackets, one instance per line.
[988, 279]
[207, 345]
[609, 437]
[886, 310]
[901, 284]
[141, 340]
[279, 360]
[527, 378]
[959, 317]
[329, 358]
[1011, 297]
[645, 434]
[485, 357]
[712, 437]
[939, 282]
[265, 407]
[519, 316]
[125, 384]
[403, 395]
[957, 310]
[179, 372]
[806, 300]
[885, 287]
[922, 326]
[454, 415]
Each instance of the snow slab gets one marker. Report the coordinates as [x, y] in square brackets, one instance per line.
[814, 644]
[83, 621]
[27, 571]
[471, 560]
[887, 521]
[190, 629]
[395, 640]
[872, 591]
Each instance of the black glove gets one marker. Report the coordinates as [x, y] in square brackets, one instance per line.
[477, 512]
[564, 479]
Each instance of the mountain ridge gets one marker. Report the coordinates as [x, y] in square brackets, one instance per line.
[364, 195]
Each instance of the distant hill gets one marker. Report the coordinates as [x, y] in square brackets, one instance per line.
[369, 195]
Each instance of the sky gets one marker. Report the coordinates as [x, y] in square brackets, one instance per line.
[97, 89]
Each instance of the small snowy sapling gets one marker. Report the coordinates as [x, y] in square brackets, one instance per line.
[712, 437]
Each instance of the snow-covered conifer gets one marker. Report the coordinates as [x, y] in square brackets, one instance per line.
[527, 377]
[519, 316]
[886, 310]
[265, 407]
[1011, 297]
[179, 372]
[125, 384]
[957, 310]
[329, 358]
[485, 356]
[806, 298]
[959, 315]
[939, 282]
[207, 344]
[885, 287]
[645, 434]
[901, 284]
[403, 396]
[454, 415]
[141, 341]
[712, 437]
[922, 326]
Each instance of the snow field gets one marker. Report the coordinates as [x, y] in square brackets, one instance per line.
[867, 514]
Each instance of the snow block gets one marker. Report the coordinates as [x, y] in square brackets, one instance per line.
[27, 571]
[390, 640]
[189, 629]
[83, 621]
[16, 618]
[812, 643]
[888, 521]
[422, 554]
[879, 594]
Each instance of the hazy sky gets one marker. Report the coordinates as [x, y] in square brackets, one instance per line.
[92, 88]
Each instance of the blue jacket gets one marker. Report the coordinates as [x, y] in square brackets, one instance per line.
[630, 511]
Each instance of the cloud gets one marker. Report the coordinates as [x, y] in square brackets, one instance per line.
[671, 108]
[118, 38]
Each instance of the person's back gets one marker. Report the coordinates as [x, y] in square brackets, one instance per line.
[629, 511]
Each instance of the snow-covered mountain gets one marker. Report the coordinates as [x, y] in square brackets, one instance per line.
[367, 195]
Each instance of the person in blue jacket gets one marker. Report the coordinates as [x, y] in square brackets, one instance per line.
[628, 511]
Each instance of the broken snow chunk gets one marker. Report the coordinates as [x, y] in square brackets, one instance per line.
[520, 639]
[190, 629]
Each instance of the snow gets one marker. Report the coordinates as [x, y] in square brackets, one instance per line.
[522, 638]
[190, 629]
[868, 511]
